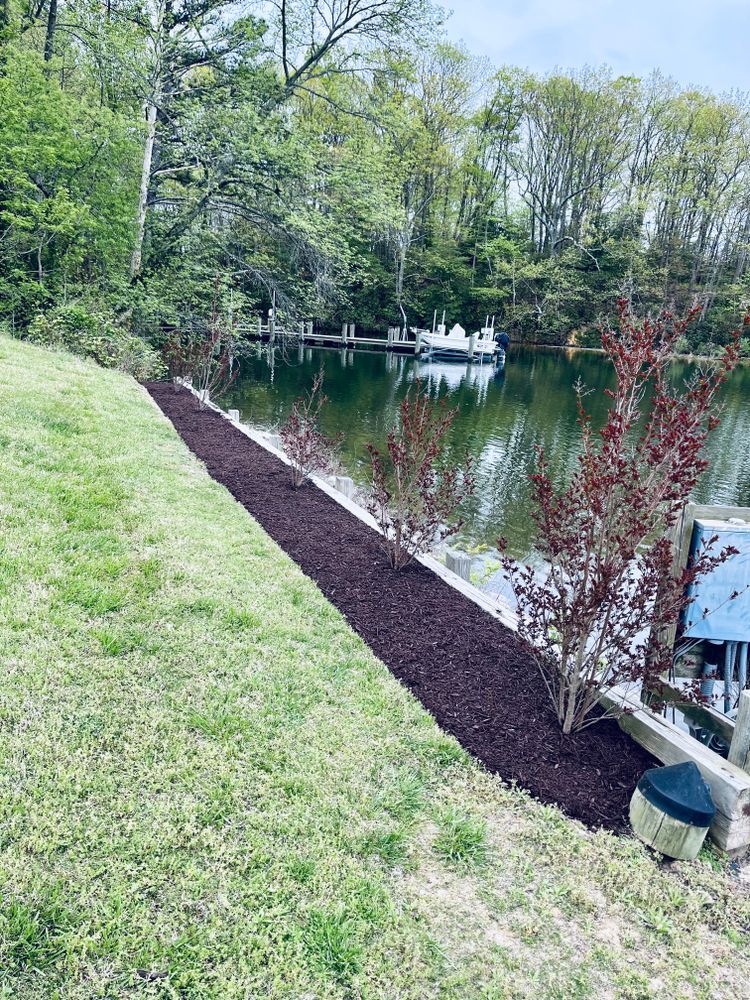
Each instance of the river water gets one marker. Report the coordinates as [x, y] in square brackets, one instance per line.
[500, 420]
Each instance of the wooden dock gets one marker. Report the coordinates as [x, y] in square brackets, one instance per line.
[272, 331]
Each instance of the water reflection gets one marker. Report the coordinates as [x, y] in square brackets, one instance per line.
[500, 420]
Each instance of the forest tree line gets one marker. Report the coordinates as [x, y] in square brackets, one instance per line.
[346, 159]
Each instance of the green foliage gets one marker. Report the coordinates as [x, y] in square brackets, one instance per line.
[94, 335]
[67, 187]
[347, 195]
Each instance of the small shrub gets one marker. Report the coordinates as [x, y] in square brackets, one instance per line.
[307, 449]
[94, 335]
[414, 499]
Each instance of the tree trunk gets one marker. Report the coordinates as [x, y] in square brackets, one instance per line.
[148, 152]
[49, 41]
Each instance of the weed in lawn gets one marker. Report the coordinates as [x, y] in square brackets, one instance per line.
[91, 597]
[32, 933]
[239, 621]
[387, 845]
[218, 807]
[301, 869]
[461, 840]
[218, 724]
[118, 642]
[332, 944]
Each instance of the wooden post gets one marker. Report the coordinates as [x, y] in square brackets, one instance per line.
[739, 748]
[460, 563]
[234, 415]
[260, 327]
[272, 326]
[472, 342]
[418, 342]
[352, 331]
[389, 341]
[345, 485]
[309, 328]
[665, 834]
[344, 331]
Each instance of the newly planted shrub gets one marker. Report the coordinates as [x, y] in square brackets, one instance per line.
[600, 615]
[206, 357]
[415, 495]
[308, 450]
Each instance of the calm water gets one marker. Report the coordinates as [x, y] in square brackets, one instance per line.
[500, 420]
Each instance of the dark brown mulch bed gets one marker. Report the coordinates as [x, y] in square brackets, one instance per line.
[466, 668]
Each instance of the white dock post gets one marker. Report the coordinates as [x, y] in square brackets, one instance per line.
[271, 326]
[389, 341]
[352, 331]
[234, 415]
[739, 748]
[345, 485]
[472, 343]
[344, 332]
[309, 328]
[260, 327]
[417, 342]
[460, 563]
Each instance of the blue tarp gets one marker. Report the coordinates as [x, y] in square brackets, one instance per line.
[726, 619]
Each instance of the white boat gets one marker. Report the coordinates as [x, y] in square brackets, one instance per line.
[456, 344]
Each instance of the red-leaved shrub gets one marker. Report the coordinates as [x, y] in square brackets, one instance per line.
[415, 494]
[600, 615]
[308, 450]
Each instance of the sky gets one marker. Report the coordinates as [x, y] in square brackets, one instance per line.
[704, 43]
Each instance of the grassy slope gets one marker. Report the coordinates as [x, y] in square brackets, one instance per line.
[210, 788]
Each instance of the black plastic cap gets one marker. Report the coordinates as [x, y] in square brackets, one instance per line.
[680, 792]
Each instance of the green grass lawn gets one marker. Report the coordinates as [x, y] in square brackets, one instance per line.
[209, 787]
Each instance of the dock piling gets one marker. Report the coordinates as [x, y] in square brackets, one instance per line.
[345, 485]
[459, 563]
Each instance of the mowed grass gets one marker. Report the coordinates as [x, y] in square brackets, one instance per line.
[209, 787]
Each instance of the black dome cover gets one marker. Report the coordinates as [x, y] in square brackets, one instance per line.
[680, 792]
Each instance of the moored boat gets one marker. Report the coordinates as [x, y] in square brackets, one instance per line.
[458, 345]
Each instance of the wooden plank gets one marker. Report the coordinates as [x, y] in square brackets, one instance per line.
[739, 750]
[703, 715]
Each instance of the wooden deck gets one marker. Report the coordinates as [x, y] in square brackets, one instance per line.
[304, 333]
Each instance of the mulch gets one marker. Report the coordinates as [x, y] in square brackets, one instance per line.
[466, 668]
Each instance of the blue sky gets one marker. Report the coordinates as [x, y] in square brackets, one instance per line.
[699, 42]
